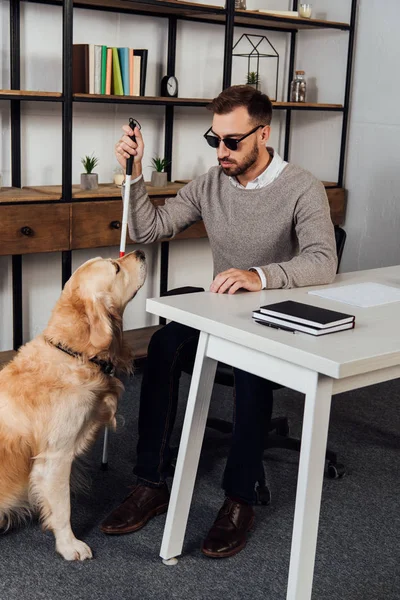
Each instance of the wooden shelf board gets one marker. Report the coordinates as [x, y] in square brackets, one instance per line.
[139, 339]
[6, 356]
[30, 95]
[28, 194]
[203, 12]
[154, 100]
[307, 105]
[162, 101]
[104, 191]
[252, 17]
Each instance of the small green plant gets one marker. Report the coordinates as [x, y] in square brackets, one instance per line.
[159, 164]
[89, 163]
[253, 78]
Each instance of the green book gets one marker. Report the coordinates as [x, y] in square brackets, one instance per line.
[103, 68]
[117, 77]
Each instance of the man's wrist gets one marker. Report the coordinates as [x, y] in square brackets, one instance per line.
[261, 275]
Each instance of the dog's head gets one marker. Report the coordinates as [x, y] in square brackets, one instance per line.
[88, 315]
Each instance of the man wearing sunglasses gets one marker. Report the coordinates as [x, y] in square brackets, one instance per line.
[269, 226]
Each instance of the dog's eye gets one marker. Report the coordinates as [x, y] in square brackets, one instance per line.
[117, 267]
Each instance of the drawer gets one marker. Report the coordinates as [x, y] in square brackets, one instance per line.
[29, 229]
[96, 224]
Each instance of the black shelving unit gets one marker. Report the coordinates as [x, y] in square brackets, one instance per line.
[227, 17]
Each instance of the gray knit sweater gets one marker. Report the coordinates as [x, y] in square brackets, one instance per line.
[285, 228]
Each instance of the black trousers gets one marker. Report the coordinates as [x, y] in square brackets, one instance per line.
[171, 350]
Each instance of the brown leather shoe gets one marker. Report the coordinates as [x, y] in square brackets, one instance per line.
[228, 534]
[142, 504]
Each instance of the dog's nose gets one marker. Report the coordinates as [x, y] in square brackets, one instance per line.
[140, 255]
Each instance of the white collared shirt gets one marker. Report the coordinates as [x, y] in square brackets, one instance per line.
[269, 175]
[273, 170]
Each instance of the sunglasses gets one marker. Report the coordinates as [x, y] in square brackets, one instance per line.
[230, 143]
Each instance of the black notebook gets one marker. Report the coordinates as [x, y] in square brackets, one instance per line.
[297, 312]
[276, 323]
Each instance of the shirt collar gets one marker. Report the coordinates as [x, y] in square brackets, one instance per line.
[270, 173]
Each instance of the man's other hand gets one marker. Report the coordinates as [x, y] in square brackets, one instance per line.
[233, 280]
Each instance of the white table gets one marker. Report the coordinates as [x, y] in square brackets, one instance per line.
[317, 367]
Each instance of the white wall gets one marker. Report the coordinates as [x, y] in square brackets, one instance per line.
[315, 136]
[373, 174]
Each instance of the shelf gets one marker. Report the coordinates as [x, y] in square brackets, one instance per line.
[152, 100]
[205, 13]
[163, 101]
[5, 357]
[31, 95]
[280, 22]
[138, 340]
[53, 193]
[307, 106]
[11, 195]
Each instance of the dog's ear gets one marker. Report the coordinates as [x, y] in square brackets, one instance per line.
[99, 311]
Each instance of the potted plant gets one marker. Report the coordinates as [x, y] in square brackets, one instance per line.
[253, 79]
[159, 178]
[89, 180]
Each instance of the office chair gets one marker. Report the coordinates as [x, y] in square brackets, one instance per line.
[277, 435]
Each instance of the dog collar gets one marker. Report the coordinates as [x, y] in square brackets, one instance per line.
[106, 367]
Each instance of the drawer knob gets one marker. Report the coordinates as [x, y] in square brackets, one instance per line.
[115, 224]
[27, 231]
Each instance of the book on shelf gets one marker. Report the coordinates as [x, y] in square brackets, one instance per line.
[123, 55]
[98, 69]
[131, 71]
[117, 87]
[306, 314]
[143, 53]
[293, 326]
[80, 69]
[103, 69]
[108, 71]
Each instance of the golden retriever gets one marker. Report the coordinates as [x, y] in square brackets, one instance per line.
[59, 390]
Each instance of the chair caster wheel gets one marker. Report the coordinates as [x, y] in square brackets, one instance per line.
[263, 495]
[336, 471]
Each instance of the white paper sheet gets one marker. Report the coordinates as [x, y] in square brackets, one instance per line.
[361, 294]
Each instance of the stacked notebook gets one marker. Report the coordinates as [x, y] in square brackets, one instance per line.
[296, 316]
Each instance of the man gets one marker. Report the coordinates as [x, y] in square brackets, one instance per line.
[269, 226]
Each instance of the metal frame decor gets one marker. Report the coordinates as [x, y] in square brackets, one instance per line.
[255, 42]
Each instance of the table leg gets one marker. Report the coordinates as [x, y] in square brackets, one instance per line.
[309, 488]
[189, 451]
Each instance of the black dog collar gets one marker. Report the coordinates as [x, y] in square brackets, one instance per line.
[106, 367]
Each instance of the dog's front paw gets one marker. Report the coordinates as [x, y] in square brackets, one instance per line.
[74, 550]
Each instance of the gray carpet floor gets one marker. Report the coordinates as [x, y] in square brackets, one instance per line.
[358, 554]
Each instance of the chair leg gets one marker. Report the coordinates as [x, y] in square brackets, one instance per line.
[104, 458]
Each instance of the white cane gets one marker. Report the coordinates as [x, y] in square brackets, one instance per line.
[127, 193]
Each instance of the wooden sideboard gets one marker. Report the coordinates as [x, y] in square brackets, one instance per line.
[36, 220]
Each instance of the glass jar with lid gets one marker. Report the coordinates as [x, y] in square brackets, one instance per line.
[298, 88]
[240, 4]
